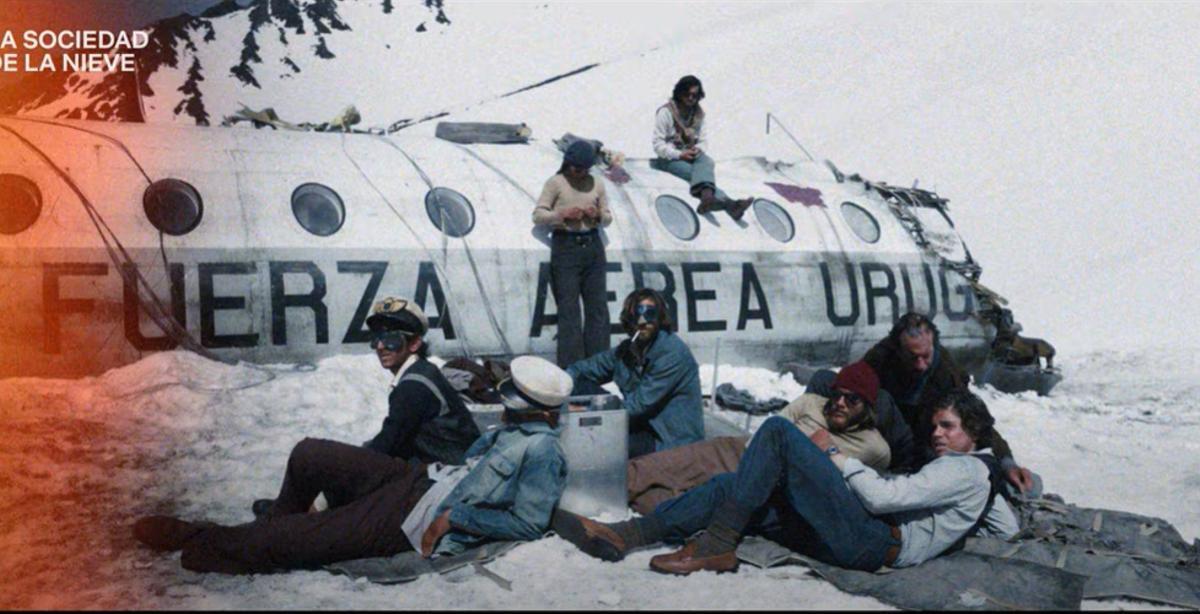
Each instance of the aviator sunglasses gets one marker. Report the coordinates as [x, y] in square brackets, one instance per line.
[390, 340]
[852, 398]
[650, 312]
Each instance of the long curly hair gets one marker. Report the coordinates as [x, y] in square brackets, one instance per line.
[629, 315]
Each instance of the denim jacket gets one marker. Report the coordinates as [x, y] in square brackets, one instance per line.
[664, 389]
[511, 491]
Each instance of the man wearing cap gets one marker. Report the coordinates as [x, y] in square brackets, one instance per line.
[574, 204]
[382, 505]
[427, 421]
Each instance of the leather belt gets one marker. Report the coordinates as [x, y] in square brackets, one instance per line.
[893, 552]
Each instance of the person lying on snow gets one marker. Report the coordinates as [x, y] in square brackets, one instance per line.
[916, 370]
[380, 505]
[846, 408]
[811, 497]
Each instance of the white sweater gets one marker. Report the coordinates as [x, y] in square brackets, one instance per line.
[935, 506]
[664, 135]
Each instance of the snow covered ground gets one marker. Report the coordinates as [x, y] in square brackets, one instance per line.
[177, 434]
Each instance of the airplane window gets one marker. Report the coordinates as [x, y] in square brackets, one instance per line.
[20, 203]
[861, 222]
[173, 206]
[318, 209]
[774, 219]
[450, 212]
[679, 218]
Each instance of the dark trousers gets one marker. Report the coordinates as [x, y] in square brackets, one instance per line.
[369, 496]
[577, 270]
[790, 492]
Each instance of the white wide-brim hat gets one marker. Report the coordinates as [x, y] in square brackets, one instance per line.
[535, 384]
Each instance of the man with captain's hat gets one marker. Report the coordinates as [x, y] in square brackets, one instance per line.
[381, 505]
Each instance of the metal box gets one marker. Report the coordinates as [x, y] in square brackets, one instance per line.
[595, 442]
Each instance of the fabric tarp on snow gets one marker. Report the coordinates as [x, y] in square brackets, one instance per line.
[408, 566]
[958, 581]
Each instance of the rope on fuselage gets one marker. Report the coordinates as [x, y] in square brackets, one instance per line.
[126, 267]
[452, 296]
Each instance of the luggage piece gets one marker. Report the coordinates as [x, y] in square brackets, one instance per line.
[482, 132]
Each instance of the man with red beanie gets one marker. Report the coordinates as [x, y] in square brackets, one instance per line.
[847, 416]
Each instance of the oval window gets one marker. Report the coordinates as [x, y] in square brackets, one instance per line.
[774, 219]
[173, 206]
[20, 203]
[679, 218]
[450, 212]
[861, 222]
[318, 209]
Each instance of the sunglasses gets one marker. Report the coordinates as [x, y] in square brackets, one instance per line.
[852, 398]
[649, 312]
[390, 340]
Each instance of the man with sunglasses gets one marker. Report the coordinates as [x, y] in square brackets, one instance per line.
[656, 373]
[427, 421]
[679, 143]
[916, 370]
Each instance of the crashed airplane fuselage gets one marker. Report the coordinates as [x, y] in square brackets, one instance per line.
[122, 239]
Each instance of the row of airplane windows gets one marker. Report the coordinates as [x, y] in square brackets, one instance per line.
[175, 208]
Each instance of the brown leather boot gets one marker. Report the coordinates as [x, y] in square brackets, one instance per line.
[167, 533]
[594, 538]
[685, 560]
[738, 208]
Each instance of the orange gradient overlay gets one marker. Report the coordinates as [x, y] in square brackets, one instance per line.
[65, 508]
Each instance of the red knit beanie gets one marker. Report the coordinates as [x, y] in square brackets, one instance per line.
[860, 379]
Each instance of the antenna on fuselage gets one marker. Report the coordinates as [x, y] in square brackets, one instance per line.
[772, 117]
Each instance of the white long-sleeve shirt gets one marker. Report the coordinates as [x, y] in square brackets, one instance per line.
[664, 135]
[933, 507]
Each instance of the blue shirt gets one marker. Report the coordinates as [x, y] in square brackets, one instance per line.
[511, 491]
[664, 389]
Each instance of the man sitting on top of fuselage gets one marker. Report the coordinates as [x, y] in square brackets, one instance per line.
[916, 370]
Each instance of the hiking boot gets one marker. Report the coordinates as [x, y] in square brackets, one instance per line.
[262, 508]
[687, 560]
[167, 533]
[594, 538]
[738, 208]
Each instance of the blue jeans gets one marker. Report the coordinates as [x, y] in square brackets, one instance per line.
[577, 270]
[792, 494]
[699, 173]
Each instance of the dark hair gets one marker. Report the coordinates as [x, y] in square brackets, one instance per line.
[423, 351]
[911, 324]
[683, 85]
[977, 421]
[629, 316]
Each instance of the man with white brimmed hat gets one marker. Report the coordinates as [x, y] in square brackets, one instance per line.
[381, 506]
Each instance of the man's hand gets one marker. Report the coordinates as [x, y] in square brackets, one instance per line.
[689, 154]
[571, 215]
[440, 527]
[822, 439]
[1020, 477]
[591, 213]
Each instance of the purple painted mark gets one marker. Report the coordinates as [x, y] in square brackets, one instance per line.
[617, 175]
[809, 197]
